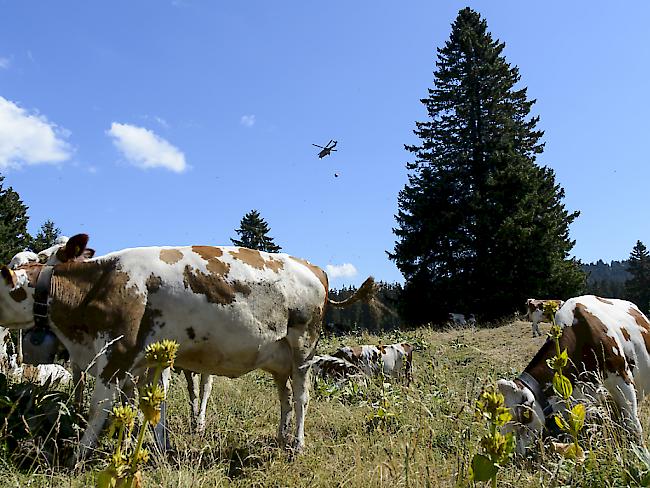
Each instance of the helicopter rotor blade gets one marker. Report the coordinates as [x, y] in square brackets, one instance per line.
[318, 146]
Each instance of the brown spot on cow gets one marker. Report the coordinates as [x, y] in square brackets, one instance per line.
[18, 294]
[255, 259]
[249, 256]
[604, 300]
[208, 252]
[643, 324]
[190, 332]
[170, 256]
[625, 333]
[319, 273]
[217, 267]
[153, 283]
[213, 287]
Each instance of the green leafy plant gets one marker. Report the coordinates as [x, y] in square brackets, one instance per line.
[123, 470]
[36, 418]
[497, 448]
[575, 418]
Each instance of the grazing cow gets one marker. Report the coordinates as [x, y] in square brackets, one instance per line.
[39, 374]
[459, 319]
[535, 312]
[339, 369]
[393, 359]
[231, 309]
[606, 340]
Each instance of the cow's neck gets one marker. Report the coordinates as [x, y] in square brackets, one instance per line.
[74, 286]
[538, 367]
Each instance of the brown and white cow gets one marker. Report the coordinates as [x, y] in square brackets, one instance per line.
[606, 340]
[231, 309]
[39, 346]
[535, 312]
[394, 360]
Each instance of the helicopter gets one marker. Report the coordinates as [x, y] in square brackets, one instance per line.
[325, 151]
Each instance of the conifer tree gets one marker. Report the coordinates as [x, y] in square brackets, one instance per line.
[46, 236]
[13, 223]
[480, 225]
[253, 233]
[637, 288]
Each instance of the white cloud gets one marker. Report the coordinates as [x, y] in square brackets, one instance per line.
[29, 138]
[247, 120]
[4, 63]
[345, 270]
[144, 149]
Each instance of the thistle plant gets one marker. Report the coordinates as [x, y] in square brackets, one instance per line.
[123, 469]
[497, 448]
[575, 418]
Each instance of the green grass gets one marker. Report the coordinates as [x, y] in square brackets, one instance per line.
[429, 440]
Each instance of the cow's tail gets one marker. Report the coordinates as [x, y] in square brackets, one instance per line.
[365, 293]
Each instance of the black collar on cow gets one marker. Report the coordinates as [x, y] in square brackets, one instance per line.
[533, 385]
[41, 296]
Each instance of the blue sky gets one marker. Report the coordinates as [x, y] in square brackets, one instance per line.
[163, 122]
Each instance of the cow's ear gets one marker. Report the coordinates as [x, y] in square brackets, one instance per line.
[88, 253]
[9, 276]
[75, 247]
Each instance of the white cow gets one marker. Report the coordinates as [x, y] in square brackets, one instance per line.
[604, 338]
[231, 309]
[459, 319]
[535, 312]
[394, 360]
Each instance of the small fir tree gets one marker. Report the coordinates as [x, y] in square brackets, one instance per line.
[637, 288]
[253, 233]
[46, 236]
[13, 223]
[480, 226]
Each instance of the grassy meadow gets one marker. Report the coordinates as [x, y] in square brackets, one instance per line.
[374, 435]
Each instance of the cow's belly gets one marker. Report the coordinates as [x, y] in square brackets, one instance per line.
[223, 340]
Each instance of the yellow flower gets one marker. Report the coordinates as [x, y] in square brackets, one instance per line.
[161, 353]
[150, 399]
[124, 415]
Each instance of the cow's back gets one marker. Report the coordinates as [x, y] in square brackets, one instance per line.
[624, 331]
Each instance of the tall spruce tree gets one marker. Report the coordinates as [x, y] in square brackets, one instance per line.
[13, 223]
[637, 288]
[45, 237]
[481, 226]
[253, 233]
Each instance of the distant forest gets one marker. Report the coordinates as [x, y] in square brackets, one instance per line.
[380, 315]
[603, 279]
[606, 280]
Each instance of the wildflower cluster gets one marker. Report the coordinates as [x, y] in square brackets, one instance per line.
[575, 418]
[497, 448]
[125, 463]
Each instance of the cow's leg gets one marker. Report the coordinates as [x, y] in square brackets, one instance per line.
[536, 330]
[205, 390]
[284, 393]
[79, 382]
[100, 406]
[160, 431]
[624, 396]
[300, 387]
[193, 393]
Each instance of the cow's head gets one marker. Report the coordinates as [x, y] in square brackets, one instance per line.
[17, 285]
[527, 415]
[65, 250]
